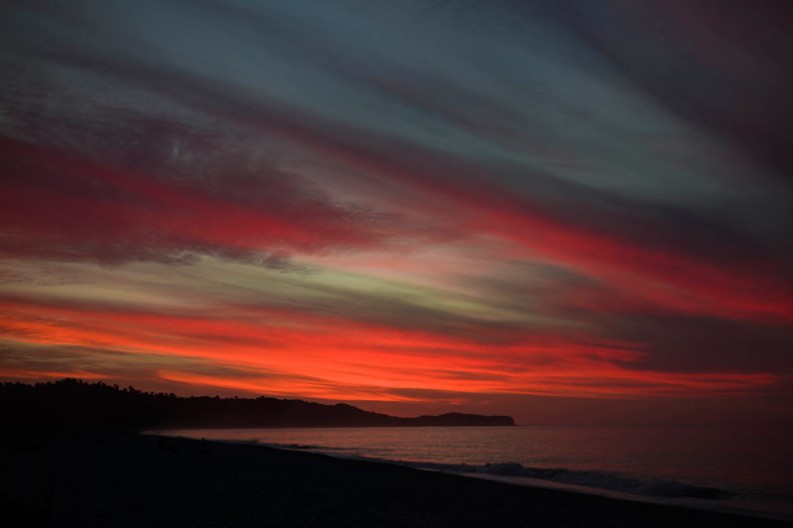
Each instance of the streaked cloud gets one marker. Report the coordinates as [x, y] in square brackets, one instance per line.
[399, 202]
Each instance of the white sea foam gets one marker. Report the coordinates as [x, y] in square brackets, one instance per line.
[591, 479]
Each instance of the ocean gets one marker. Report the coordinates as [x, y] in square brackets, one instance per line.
[745, 470]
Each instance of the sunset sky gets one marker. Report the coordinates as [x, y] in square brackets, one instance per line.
[563, 211]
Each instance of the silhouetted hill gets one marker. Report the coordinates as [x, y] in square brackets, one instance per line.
[74, 404]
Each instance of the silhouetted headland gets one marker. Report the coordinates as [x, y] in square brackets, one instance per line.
[74, 404]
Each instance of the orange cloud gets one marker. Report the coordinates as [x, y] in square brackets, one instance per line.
[302, 354]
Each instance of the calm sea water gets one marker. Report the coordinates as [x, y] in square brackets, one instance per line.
[729, 469]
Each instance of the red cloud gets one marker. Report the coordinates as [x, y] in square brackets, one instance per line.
[64, 206]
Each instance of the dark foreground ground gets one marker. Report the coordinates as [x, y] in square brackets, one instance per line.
[119, 480]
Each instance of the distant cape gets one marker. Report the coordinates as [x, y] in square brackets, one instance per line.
[75, 404]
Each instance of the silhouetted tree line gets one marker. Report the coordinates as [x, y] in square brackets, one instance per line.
[75, 404]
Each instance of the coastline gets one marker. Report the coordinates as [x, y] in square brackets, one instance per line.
[114, 479]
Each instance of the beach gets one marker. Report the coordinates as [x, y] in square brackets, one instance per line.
[114, 479]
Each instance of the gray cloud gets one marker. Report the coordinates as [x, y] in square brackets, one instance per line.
[707, 344]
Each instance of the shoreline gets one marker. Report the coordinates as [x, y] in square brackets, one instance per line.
[667, 491]
[116, 479]
[525, 482]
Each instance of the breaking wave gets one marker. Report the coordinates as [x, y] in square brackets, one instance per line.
[591, 479]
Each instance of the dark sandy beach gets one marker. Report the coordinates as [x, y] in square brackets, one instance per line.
[117, 480]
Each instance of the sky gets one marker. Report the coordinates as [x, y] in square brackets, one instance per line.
[569, 212]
